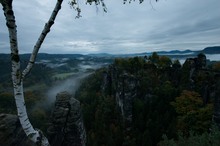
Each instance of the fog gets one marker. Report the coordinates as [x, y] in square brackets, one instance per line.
[211, 57]
[70, 85]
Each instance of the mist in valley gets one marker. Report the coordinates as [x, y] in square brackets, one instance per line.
[70, 85]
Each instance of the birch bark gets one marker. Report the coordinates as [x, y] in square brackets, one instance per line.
[17, 76]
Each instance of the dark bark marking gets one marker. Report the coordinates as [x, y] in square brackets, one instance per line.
[51, 23]
[10, 12]
[18, 93]
[27, 128]
[26, 119]
[15, 57]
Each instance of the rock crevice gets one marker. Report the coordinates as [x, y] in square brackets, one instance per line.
[67, 127]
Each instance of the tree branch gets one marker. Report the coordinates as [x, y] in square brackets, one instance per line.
[41, 38]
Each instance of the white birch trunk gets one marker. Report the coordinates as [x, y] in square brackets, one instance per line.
[17, 77]
[35, 135]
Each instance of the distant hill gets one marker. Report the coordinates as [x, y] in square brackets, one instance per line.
[207, 50]
[176, 52]
[173, 53]
[100, 55]
[42, 56]
[212, 50]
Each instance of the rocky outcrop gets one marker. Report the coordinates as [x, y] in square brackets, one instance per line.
[195, 64]
[11, 133]
[125, 94]
[66, 127]
[123, 87]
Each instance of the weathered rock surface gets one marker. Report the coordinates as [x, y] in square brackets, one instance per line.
[124, 86]
[125, 94]
[11, 133]
[67, 127]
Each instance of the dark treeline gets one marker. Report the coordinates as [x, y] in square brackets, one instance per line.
[135, 101]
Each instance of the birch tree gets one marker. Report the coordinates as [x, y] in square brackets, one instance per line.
[18, 75]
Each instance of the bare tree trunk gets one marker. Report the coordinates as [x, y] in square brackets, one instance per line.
[17, 77]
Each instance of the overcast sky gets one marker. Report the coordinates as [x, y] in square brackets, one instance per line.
[130, 28]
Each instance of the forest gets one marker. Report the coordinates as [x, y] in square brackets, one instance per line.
[147, 101]
[144, 99]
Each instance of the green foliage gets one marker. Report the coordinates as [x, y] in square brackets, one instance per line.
[164, 62]
[205, 139]
[132, 65]
[192, 114]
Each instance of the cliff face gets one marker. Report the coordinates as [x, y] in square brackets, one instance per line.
[11, 133]
[123, 87]
[67, 127]
[125, 94]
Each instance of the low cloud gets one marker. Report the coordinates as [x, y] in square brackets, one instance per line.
[70, 85]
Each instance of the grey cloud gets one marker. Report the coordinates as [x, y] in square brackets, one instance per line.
[200, 26]
[125, 28]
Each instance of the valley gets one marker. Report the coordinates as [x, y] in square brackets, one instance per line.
[125, 96]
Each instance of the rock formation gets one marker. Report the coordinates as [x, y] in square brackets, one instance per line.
[125, 94]
[124, 86]
[66, 127]
[11, 133]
